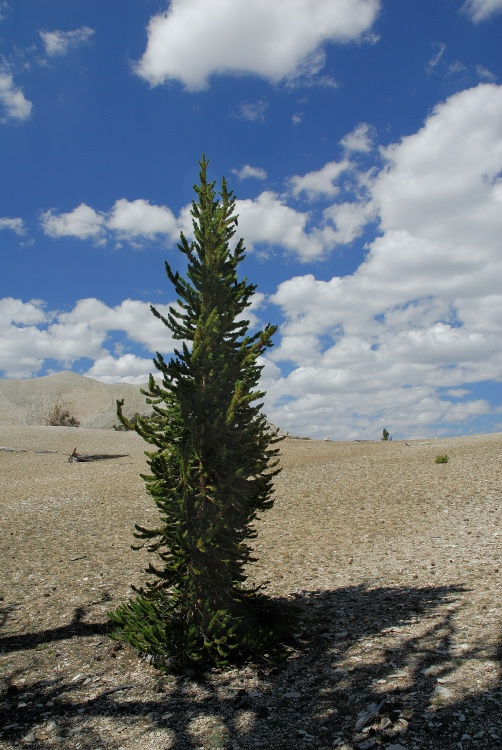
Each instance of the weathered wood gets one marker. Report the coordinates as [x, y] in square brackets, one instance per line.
[81, 457]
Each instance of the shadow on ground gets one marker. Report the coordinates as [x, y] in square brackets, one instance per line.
[368, 668]
[76, 628]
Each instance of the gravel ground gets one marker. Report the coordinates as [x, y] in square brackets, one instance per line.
[384, 564]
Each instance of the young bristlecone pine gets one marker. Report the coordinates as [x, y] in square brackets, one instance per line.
[212, 464]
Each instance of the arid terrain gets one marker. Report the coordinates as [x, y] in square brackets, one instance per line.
[385, 567]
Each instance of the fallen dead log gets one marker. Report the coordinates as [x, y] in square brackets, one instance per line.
[78, 457]
[24, 450]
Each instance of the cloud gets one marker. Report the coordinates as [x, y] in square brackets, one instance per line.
[457, 68]
[484, 74]
[308, 73]
[480, 10]
[195, 39]
[83, 222]
[353, 208]
[348, 221]
[359, 140]
[21, 313]
[133, 317]
[320, 183]
[251, 111]
[58, 43]
[443, 183]
[265, 220]
[248, 171]
[130, 221]
[31, 335]
[140, 218]
[15, 225]
[422, 316]
[12, 100]
[268, 220]
[125, 369]
[440, 48]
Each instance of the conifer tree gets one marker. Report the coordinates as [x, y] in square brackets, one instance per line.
[213, 463]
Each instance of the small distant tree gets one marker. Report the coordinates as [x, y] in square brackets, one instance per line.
[386, 434]
[214, 461]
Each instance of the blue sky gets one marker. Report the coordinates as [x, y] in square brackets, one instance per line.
[363, 140]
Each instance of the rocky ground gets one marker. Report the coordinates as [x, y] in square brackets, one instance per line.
[385, 567]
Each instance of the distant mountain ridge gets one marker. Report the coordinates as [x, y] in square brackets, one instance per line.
[91, 402]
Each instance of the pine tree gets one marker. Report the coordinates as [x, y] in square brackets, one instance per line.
[214, 461]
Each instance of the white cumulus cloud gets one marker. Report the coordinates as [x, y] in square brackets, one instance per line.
[18, 312]
[13, 102]
[423, 312]
[14, 224]
[320, 182]
[247, 171]
[132, 317]
[346, 221]
[443, 183]
[360, 139]
[127, 368]
[265, 220]
[133, 218]
[195, 39]
[82, 222]
[129, 221]
[58, 43]
[30, 335]
[268, 220]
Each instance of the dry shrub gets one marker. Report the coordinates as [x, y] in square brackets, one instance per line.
[61, 417]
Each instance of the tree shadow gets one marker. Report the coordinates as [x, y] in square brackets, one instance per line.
[76, 628]
[368, 668]
[5, 612]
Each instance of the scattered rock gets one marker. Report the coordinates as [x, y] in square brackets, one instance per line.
[366, 745]
[367, 717]
[433, 670]
[442, 692]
